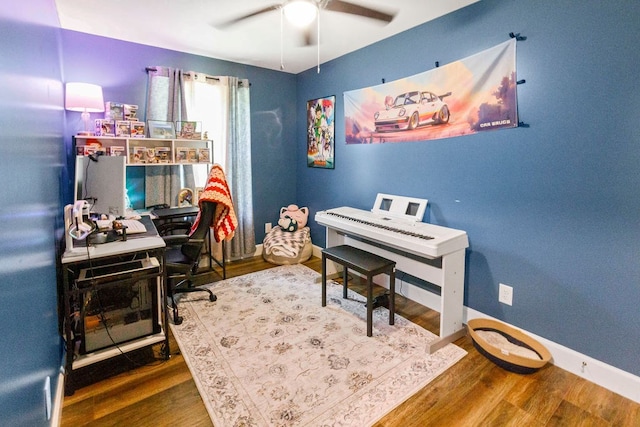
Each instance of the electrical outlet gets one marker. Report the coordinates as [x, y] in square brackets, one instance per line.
[267, 227]
[505, 294]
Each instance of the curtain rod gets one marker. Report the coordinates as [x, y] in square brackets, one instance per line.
[147, 69]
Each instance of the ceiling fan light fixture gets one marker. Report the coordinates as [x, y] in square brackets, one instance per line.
[300, 12]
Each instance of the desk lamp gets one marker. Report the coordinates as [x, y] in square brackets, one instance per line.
[84, 97]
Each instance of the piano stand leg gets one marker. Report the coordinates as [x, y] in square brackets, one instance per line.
[324, 280]
[345, 279]
[369, 305]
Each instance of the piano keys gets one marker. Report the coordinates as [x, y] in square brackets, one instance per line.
[429, 252]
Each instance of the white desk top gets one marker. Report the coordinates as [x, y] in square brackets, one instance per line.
[113, 248]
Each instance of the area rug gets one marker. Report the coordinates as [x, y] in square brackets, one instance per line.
[266, 353]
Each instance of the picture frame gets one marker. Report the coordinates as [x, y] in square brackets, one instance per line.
[321, 132]
[182, 155]
[204, 155]
[105, 127]
[137, 129]
[199, 191]
[161, 130]
[138, 155]
[188, 130]
[123, 128]
[163, 154]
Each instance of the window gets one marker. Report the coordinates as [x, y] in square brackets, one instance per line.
[204, 98]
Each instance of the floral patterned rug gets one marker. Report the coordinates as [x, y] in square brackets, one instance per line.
[266, 353]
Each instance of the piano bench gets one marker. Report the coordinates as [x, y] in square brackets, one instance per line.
[364, 263]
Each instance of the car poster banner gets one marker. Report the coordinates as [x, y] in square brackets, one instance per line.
[472, 95]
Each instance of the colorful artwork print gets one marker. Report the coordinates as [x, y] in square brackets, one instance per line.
[321, 132]
[468, 96]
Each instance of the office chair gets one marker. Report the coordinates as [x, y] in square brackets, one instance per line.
[182, 255]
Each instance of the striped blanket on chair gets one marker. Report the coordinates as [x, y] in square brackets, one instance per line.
[217, 190]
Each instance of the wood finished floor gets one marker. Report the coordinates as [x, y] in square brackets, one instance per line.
[474, 392]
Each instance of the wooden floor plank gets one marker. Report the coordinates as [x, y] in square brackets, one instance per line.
[474, 392]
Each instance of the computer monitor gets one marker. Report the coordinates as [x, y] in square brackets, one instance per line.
[101, 182]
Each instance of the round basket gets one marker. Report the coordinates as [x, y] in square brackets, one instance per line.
[505, 357]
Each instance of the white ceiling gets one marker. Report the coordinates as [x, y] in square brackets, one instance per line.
[190, 26]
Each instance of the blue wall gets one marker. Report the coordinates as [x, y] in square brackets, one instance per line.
[119, 67]
[31, 124]
[553, 209]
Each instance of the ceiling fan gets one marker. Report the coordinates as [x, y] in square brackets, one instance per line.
[301, 13]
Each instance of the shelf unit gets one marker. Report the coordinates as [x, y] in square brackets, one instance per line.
[116, 311]
[147, 151]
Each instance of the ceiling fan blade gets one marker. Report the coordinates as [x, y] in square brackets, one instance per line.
[354, 9]
[247, 16]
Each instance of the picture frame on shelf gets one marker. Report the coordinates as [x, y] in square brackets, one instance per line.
[204, 155]
[123, 128]
[197, 195]
[116, 150]
[138, 155]
[188, 130]
[182, 154]
[161, 130]
[105, 127]
[192, 155]
[138, 129]
[163, 155]
[114, 110]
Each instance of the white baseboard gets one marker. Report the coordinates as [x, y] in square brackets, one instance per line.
[58, 400]
[600, 373]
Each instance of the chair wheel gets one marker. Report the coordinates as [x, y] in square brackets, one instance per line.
[213, 298]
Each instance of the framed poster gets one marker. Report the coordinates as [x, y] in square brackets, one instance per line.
[158, 129]
[320, 132]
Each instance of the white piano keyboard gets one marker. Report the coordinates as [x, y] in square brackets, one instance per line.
[419, 238]
[401, 240]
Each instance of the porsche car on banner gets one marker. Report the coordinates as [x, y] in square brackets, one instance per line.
[471, 95]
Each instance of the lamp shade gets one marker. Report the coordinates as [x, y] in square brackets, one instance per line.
[83, 97]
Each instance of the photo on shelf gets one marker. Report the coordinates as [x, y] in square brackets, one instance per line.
[162, 130]
[116, 150]
[123, 128]
[105, 127]
[188, 130]
[137, 129]
[138, 155]
[182, 154]
[163, 155]
[203, 155]
[114, 110]
[196, 197]
[192, 155]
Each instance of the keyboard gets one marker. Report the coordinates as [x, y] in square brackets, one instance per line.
[133, 226]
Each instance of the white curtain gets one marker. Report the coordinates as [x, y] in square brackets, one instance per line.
[222, 105]
[238, 165]
[165, 102]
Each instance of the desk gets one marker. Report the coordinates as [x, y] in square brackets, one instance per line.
[170, 214]
[129, 302]
[173, 213]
